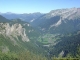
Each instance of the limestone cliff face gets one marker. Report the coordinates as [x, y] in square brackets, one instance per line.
[14, 30]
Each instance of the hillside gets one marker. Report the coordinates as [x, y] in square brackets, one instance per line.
[2, 19]
[17, 35]
[68, 45]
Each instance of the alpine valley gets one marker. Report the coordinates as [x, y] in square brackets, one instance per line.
[39, 36]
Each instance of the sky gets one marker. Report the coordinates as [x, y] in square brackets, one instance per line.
[32, 6]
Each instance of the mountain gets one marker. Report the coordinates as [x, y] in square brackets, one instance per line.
[59, 21]
[25, 17]
[55, 34]
[18, 41]
[17, 35]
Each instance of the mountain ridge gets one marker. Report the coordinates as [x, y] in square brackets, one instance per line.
[55, 19]
[25, 16]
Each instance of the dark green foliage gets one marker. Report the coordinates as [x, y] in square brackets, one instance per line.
[31, 56]
[21, 56]
[8, 56]
[5, 41]
[68, 44]
[27, 55]
[65, 58]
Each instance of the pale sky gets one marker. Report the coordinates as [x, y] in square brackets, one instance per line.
[31, 6]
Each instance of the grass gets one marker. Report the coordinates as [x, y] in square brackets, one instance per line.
[48, 38]
[65, 59]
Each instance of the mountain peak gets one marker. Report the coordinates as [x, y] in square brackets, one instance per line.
[55, 19]
[63, 11]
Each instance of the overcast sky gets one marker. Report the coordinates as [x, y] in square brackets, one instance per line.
[31, 6]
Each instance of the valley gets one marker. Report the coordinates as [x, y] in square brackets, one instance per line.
[39, 36]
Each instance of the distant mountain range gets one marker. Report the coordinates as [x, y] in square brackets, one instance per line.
[25, 17]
